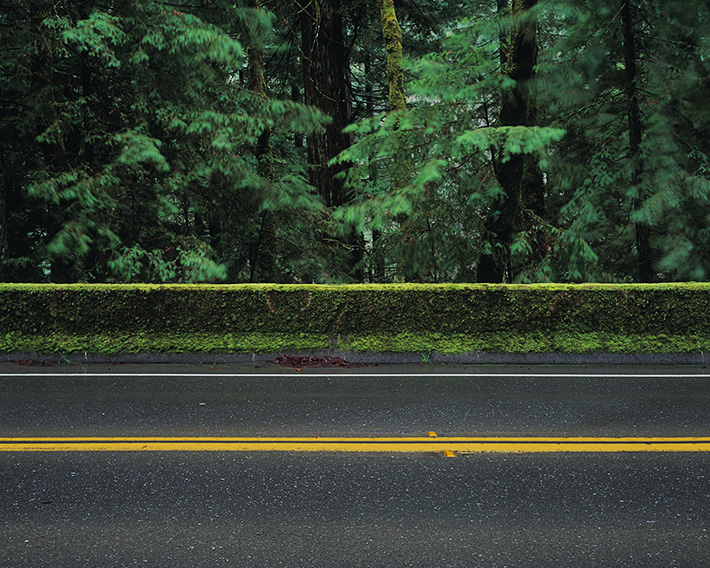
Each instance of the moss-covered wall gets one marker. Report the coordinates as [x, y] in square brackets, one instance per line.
[108, 319]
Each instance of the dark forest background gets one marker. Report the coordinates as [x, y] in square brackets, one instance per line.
[333, 141]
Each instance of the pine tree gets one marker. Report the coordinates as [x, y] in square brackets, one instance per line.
[144, 135]
[519, 176]
[392, 34]
[631, 80]
[454, 138]
[328, 87]
[629, 181]
[161, 141]
[263, 262]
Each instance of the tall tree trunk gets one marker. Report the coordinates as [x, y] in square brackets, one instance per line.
[377, 265]
[517, 109]
[42, 82]
[296, 98]
[392, 33]
[263, 263]
[393, 44]
[326, 74]
[327, 86]
[52, 152]
[643, 231]
[4, 234]
[503, 7]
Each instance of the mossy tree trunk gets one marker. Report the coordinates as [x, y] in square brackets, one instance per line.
[392, 33]
[519, 175]
[393, 44]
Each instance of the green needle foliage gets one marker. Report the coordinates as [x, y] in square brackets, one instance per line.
[599, 190]
[434, 227]
[140, 137]
[531, 141]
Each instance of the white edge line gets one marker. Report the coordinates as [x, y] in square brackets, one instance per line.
[345, 374]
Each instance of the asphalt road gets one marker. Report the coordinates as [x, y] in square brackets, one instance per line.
[273, 401]
[174, 509]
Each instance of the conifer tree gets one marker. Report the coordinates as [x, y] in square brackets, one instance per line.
[518, 175]
[454, 137]
[327, 86]
[142, 132]
[630, 183]
[392, 34]
[539, 140]
[631, 80]
[263, 261]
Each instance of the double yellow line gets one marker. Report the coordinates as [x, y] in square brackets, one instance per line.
[449, 445]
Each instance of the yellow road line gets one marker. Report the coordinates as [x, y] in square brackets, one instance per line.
[390, 444]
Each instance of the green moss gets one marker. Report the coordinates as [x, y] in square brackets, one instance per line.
[393, 43]
[455, 318]
[531, 343]
[164, 343]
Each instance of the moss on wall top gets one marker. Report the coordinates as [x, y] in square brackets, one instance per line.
[322, 315]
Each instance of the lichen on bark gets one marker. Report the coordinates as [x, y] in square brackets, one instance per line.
[393, 44]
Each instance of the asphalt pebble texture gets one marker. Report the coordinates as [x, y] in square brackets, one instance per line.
[303, 510]
[356, 402]
[353, 510]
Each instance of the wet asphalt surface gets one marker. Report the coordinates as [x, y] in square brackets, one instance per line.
[170, 509]
[353, 402]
